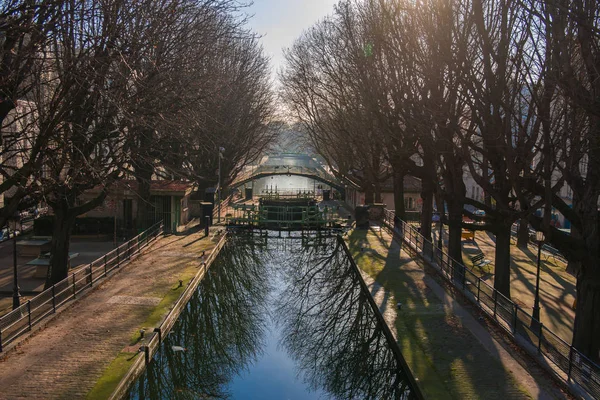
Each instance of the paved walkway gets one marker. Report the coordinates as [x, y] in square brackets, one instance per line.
[66, 359]
[448, 350]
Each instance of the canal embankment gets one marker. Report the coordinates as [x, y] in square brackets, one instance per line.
[89, 348]
[449, 351]
[309, 331]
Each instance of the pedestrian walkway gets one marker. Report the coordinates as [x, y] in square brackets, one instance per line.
[72, 354]
[451, 354]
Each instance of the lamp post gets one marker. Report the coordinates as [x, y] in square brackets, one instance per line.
[16, 294]
[440, 241]
[221, 150]
[539, 236]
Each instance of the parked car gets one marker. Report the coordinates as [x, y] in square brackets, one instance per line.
[5, 234]
[480, 213]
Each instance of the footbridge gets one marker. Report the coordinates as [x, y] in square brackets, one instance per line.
[289, 164]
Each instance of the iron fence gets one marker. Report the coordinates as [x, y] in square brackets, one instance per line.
[22, 319]
[530, 332]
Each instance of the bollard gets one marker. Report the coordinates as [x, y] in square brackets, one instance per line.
[146, 354]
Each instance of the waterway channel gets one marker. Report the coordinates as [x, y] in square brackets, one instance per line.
[277, 318]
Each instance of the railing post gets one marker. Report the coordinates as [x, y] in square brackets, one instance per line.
[118, 258]
[516, 309]
[0, 340]
[29, 313]
[105, 262]
[478, 289]
[74, 287]
[129, 250]
[91, 276]
[570, 363]
[146, 355]
[53, 299]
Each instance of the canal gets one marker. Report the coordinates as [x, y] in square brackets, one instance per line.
[277, 318]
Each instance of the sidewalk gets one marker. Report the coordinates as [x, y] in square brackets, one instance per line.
[72, 354]
[450, 352]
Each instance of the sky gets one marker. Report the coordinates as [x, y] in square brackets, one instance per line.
[282, 21]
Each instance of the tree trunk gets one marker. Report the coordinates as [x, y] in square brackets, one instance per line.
[586, 331]
[427, 210]
[369, 195]
[59, 250]
[454, 241]
[523, 234]
[487, 199]
[399, 206]
[378, 193]
[502, 259]
[144, 168]
[143, 176]
[573, 266]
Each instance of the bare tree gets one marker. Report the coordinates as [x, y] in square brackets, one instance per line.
[24, 33]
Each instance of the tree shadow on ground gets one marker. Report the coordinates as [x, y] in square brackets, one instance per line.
[448, 361]
[555, 289]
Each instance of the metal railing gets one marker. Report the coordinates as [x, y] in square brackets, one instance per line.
[21, 320]
[530, 333]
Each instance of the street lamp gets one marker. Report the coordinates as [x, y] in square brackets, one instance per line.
[440, 240]
[539, 236]
[221, 150]
[13, 225]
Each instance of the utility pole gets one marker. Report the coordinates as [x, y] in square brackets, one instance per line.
[16, 290]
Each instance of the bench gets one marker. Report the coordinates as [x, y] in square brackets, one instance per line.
[43, 262]
[467, 234]
[552, 252]
[479, 260]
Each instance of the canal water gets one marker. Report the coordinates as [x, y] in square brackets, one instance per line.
[276, 318]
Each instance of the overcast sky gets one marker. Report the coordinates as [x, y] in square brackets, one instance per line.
[282, 21]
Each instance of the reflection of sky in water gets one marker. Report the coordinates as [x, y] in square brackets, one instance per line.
[283, 182]
[273, 376]
[273, 319]
[296, 161]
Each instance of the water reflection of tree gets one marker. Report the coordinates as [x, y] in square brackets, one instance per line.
[221, 330]
[331, 330]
